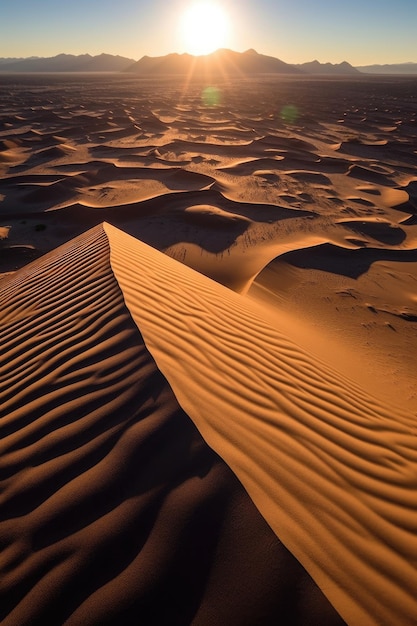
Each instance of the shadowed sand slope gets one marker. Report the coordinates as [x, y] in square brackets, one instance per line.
[332, 469]
[113, 509]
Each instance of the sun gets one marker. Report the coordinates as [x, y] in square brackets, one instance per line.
[204, 27]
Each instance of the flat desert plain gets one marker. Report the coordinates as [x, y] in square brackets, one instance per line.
[208, 337]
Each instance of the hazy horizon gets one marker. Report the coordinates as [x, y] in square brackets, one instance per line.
[310, 60]
[295, 31]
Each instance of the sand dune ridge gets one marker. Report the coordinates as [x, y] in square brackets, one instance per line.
[113, 509]
[324, 462]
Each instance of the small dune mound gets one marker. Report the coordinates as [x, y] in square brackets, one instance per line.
[213, 217]
[62, 149]
[368, 174]
[380, 231]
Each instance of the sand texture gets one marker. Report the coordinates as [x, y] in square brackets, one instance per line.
[325, 463]
[301, 192]
[224, 433]
[113, 509]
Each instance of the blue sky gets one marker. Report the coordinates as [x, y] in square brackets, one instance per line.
[359, 31]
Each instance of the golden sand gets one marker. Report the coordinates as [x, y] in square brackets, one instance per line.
[227, 439]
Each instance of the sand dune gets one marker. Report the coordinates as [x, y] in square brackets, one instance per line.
[113, 508]
[302, 197]
[325, 463]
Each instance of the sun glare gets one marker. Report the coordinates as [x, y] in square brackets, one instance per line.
[204, 27]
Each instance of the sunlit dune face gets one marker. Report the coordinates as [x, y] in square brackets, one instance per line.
[204, 27]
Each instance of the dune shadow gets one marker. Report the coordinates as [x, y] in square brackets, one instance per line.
[131, 516]
[351, 263]
[380, 231]
[165, 220]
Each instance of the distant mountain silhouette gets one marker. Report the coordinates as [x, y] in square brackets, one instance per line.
[67, 63]
[396, 68]
[10, 60]
[221, 62]
[315, 67]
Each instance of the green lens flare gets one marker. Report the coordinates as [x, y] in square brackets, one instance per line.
[211, 96]
[289, 114]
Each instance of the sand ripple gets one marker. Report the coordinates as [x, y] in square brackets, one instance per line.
[315, 216]
[330, 468]
[113, 510]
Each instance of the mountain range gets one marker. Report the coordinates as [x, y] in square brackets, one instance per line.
[67, 63]
[222, 62]
[396, 68]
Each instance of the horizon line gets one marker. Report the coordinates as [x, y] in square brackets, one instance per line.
[185, 53]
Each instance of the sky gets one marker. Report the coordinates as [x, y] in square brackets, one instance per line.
[361, 32]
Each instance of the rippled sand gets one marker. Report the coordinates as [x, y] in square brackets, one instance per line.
[230, 445]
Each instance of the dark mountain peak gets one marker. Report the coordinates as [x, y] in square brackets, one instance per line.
[395, 68]
[67, 63]
[315, 67]
[222, 61]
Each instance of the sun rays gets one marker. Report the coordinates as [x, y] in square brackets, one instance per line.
[204, 27]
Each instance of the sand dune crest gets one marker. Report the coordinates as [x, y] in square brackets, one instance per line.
[113, 510]
[331, 469]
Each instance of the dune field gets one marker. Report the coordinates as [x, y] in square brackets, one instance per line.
[208, 333]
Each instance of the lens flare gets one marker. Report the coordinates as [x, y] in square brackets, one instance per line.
[211, 96]
[290, 114]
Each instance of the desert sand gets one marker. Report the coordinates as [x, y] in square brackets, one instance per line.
[209, 329]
